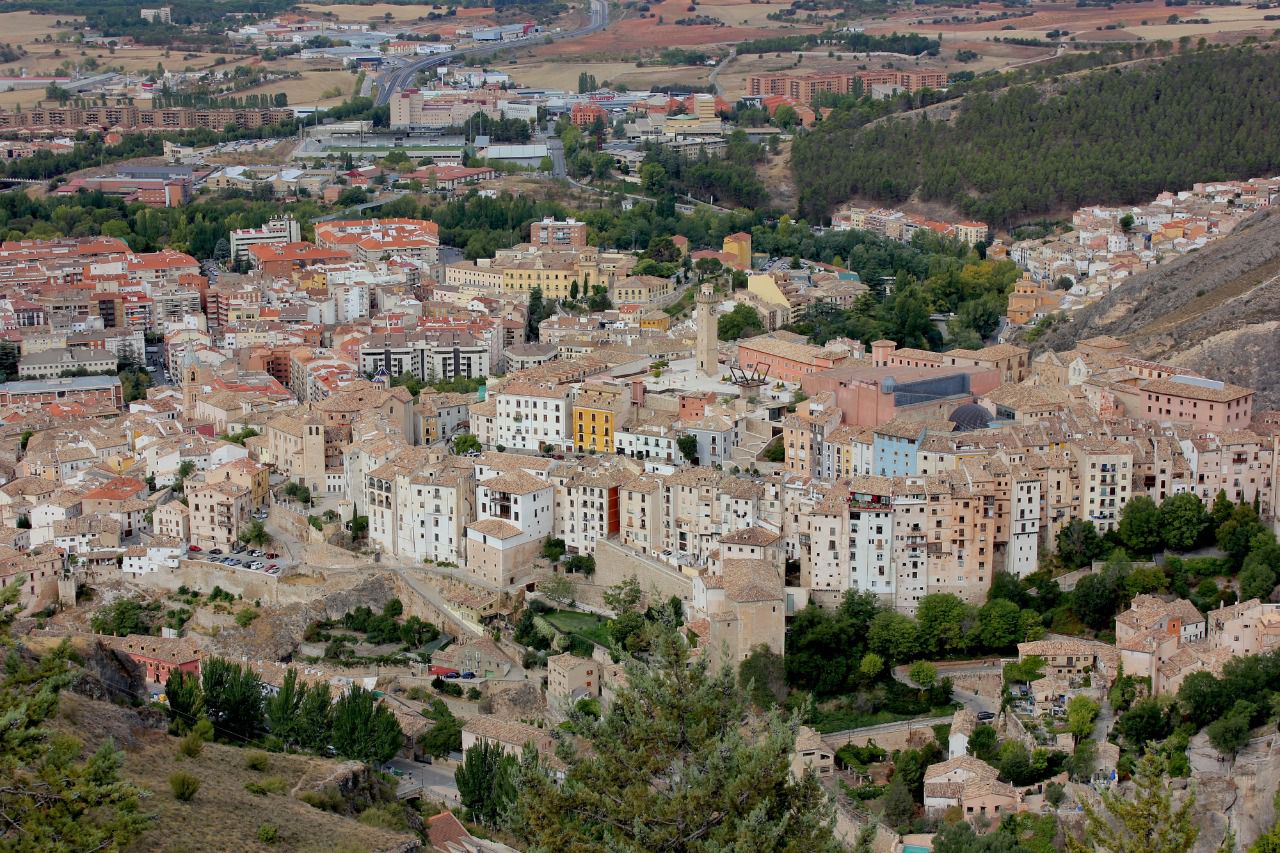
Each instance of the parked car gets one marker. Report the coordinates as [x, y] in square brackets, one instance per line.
[258, 565]
[272, 567]
[215, 551]
[984, 716]
[272, 555]
[451, 675]
[195, 549]
[468, 674]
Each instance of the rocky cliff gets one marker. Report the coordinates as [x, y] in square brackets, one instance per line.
[1216, 310]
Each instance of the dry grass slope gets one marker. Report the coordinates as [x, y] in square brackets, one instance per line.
[223, 815]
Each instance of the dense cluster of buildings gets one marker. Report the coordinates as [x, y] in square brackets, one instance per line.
[904, 472]
[1107, 245]
[746, 479]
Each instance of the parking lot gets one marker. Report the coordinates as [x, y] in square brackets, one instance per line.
[243, 557]
[271, 559]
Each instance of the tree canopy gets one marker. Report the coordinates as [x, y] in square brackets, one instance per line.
[1024, 151]
[671, 766]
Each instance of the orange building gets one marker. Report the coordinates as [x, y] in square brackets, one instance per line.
[1030, 300]
[281, 259]
[584, 113]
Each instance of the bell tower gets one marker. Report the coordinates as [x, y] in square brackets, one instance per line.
[705, 319]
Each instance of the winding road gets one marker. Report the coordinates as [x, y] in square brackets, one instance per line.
[395, 79]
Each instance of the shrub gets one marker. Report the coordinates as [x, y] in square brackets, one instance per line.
[473, 694]
[267, 833]
[184, 786]
[259, 761]
[246, 616]
[191, 745]
[328, 799]
[270, 785]
[385, 816]
[203, 729]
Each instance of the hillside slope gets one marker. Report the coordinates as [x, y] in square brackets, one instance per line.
[1109, 136]
[1216, 311]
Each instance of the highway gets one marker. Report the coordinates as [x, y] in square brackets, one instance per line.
[395, 79]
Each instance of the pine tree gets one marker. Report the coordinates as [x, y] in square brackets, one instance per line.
[486, 783]
[185, 698]
[284, 707]
[53, 798]
[1144, 822]
[232, 699]
[676, 764]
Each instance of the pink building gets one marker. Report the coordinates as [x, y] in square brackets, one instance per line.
[869, 395]
[1191, 399]
[787, 360]
[159, 657]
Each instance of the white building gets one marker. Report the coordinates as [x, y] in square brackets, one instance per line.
[530, 416]
[276, 231]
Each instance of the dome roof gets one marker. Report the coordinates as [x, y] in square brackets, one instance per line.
[970, 416]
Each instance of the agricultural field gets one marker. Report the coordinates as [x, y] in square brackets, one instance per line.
[1226, 23]
[631, 34]
[311, 88]
[353, 13]
[564, 75]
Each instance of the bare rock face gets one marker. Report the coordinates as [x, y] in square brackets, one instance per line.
[519, 702]
[1212, 310]
[275, 634]
[1236, 795]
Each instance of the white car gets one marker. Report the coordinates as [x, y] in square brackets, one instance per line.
[258, 565]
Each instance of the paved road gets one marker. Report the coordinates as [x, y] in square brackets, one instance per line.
[432, 781]
[555, 148]
[396, 79]
[974, 702]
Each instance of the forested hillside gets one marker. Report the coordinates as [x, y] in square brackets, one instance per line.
[1109, 136]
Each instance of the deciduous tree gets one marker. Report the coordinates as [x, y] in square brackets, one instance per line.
[365, 729]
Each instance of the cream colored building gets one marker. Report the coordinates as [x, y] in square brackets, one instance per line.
[570, 679]
[218, 511]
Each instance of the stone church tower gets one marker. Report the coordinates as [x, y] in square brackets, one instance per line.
[705, 318]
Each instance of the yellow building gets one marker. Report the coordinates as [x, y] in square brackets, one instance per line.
[555, 272]
[659, 320]
[765, 287]
[739, 245]
[596, 414]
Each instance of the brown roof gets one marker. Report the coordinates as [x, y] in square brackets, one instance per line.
[515, 483]
[495, 527]
[752, 580]
[755, 536]
[1173, 388]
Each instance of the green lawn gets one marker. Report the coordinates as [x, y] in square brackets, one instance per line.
[594, 628]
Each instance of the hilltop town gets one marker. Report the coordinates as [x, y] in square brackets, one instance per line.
[437, 428]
